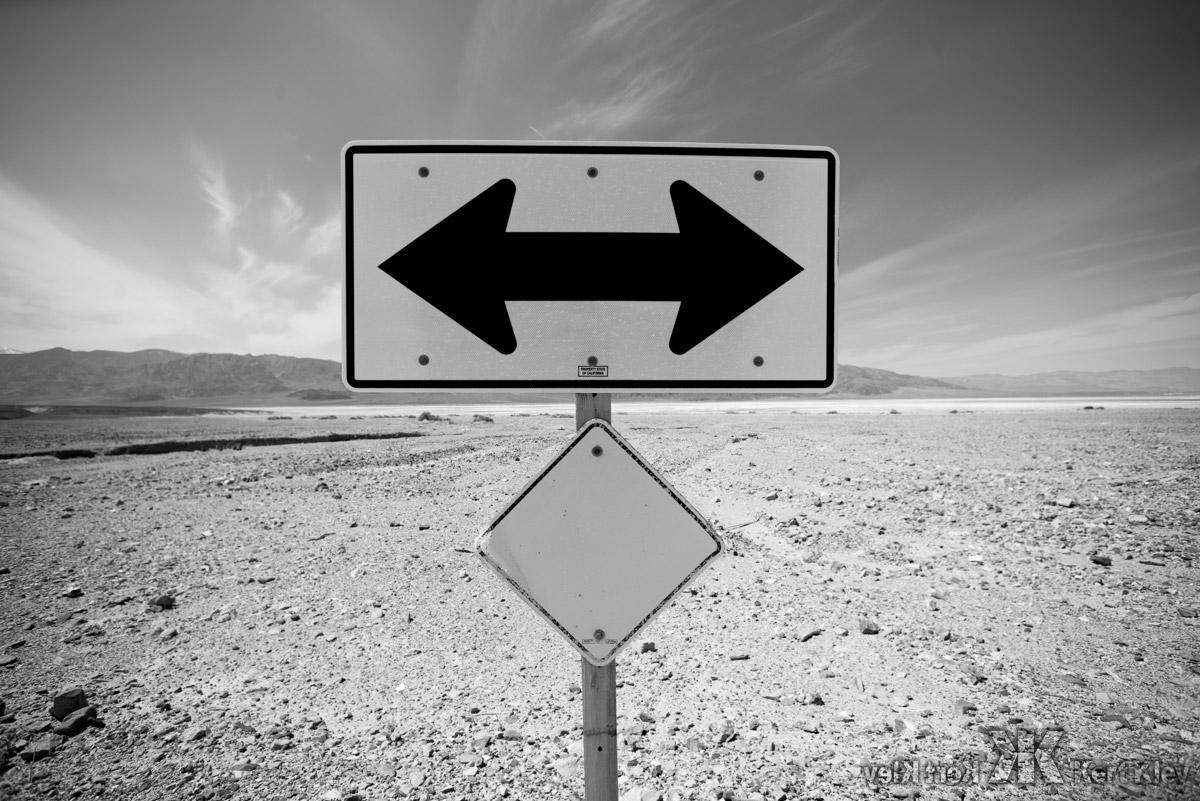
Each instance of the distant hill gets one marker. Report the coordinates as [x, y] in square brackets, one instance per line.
[872, 381]
[65, 376]
[162, 377]
[1169, 381]
[60, 376]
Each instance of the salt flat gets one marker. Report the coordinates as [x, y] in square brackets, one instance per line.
[330, 634]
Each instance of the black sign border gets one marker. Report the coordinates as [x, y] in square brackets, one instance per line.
[585, 385]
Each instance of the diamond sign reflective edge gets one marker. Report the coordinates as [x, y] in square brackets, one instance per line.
[598, 543]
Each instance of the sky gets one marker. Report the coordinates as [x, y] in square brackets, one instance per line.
[1020, 187]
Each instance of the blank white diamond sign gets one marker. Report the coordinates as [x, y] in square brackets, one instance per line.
[598, 543]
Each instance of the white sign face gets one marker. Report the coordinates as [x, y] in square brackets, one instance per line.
[589, 267]
[598, 543]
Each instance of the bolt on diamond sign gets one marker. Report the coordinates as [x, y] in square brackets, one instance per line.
[598, 543]
[589, 267]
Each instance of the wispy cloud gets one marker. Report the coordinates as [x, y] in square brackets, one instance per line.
[824, 45]
[287, 215]
[1051, 275]
[215, 191]
[618, 69]
[639, 101]
[637, 60]
[324, 238]
[622, 20]
[1169, 326]
[60, 288]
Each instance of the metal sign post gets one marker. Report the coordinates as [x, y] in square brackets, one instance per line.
[599, 683]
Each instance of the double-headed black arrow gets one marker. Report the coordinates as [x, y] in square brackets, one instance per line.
[715, 266]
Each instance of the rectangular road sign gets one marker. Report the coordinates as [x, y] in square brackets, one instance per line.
[593, 267]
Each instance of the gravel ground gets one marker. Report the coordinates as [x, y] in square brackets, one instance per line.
[307, 621]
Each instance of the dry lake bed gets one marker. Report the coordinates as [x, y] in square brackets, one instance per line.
[990, 603]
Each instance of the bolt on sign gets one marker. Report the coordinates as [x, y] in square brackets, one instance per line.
[589, 267]
[598, 543]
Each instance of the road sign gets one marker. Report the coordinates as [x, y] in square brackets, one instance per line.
[589, 268]
[598, 543]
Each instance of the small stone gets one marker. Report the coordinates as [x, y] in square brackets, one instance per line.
[810, 726]
[647, 646]
[15, 644]
[41, 748]
[964, 707]
[1065, 501]
[1101, 560]
[1106, 698]
[739, 657]
[843, 716]
[72, 592]
[841, 632]
[772, 496]
[76, 722]
[868, 626]
[194, 733]
[164, 602]
[416, 778]
[1138, 520]
[809, 634]
[8, 660]
[1189, 611]
[67, 702]
[567, 767]
[975, 559]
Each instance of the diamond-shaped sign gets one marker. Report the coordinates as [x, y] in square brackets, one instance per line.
[598, 543]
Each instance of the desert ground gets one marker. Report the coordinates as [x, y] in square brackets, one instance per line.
[308, 620]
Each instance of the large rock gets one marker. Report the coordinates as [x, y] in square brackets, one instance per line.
[66, 702]
[76, 722]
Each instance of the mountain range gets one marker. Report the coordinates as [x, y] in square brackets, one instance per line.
[59, 376]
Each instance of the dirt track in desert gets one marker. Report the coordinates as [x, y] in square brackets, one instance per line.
[307, 621]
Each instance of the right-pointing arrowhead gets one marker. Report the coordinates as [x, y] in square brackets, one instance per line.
[734, 268]
[469, 235]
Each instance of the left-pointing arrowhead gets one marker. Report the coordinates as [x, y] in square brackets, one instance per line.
[733, 267]
[430, 266]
